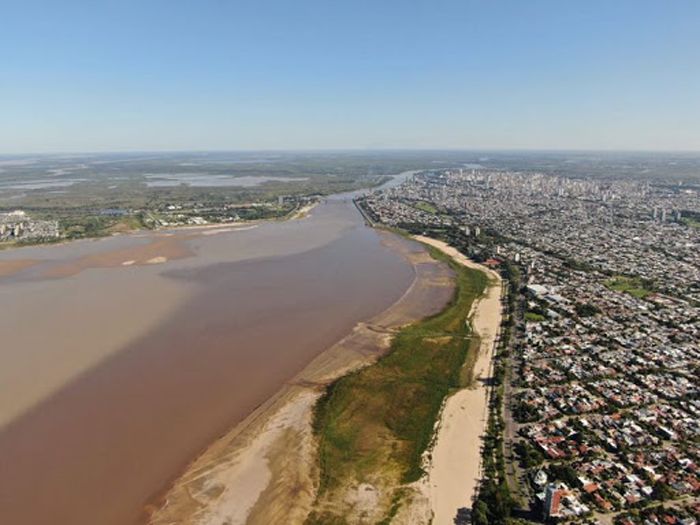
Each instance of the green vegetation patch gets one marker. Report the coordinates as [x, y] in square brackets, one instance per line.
[586, 309]
[376, 423]
[691, 222]
[77, 226]
[632, 285]
[534, 317]
[426, 207]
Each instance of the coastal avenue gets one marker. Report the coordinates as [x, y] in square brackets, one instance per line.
[116, 376]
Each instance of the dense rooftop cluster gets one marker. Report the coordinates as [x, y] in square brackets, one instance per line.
[606, 403]
[618, 227]
[18, 226]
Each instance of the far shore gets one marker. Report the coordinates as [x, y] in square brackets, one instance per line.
[162, 249]
[298, 213]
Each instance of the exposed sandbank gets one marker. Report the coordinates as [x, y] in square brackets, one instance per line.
[161, 249]
[166, 243]
[303, 211]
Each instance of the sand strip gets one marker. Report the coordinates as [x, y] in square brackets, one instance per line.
[303, 212]
[454, 470]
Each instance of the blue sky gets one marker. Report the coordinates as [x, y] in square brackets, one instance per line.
[225, 74]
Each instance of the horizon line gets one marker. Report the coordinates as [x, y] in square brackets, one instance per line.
[349, 150]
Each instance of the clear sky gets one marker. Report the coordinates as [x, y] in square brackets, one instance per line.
[310, 74]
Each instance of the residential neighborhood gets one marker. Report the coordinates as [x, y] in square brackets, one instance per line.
[19, 226]
[604, 404]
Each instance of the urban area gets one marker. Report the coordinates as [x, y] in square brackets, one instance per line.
[18, 226]
[601, 408]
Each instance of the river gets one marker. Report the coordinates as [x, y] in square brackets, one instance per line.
[122, 358]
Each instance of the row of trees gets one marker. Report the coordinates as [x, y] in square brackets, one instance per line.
[493, 504]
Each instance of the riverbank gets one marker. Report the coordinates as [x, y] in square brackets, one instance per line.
[265, 470]
[377, 427]
[275, 468]
[453, 470]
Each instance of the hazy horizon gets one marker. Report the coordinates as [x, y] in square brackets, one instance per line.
[67, 153]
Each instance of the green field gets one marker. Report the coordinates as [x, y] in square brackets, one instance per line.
[631, 285]
[691, 222]
[534, 317]
[373, 425]
[426, 207]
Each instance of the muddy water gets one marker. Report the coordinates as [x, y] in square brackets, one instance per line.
[114, 374]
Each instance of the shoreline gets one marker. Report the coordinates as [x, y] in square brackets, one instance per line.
[454, 468]
[9, 267]
[165, 244]
[264, 469]
[296, 214]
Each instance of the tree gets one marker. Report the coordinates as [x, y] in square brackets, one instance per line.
[586, 310]
[662, 491]
[480, 514]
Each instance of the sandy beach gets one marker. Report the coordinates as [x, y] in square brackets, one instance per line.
[265, 470]
[454, 469]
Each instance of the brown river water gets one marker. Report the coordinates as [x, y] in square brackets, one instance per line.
[122, 358]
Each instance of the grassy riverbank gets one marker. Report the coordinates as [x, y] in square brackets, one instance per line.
[373, 425]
